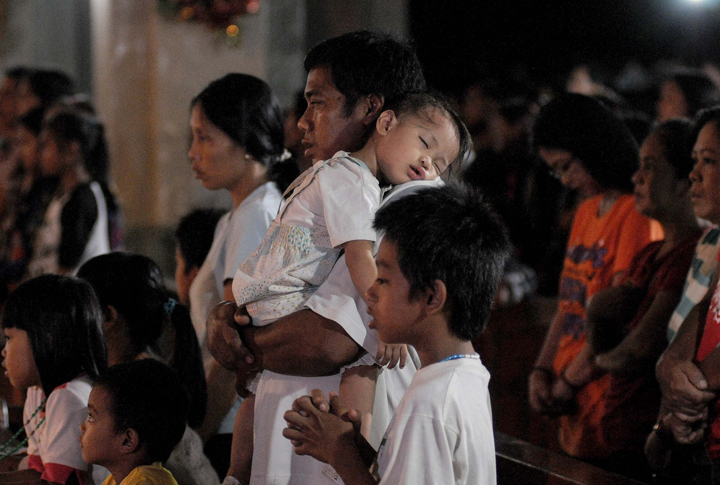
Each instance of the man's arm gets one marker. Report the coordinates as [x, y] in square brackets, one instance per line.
[301, 344]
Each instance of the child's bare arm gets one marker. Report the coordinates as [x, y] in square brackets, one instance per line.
[242, 441]
[363, 272]
[357, 390]
[361, 264]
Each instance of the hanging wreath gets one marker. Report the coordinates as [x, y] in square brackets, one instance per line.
[216, 14]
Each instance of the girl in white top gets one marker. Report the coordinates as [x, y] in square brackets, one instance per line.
[330, 210]
[75, 226]
[237, 144]
[53, 350]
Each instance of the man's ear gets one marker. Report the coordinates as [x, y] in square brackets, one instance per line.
[372, 105]
[130, 441]
[436, 297]
[385, 122]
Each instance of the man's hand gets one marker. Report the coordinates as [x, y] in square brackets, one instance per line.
[224, 341]
[684, 387]
[322, 435]
[686, 433]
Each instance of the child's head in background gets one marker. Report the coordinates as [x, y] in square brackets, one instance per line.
[417, 138]
[53, 333]
[137, 413]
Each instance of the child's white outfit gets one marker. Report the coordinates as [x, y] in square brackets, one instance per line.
[54, 446]
[332, 203]
[442, 431]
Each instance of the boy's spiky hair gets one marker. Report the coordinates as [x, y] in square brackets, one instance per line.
[147, 396]
[449, 234]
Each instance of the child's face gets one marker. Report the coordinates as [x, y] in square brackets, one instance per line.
[18, 359]
[183, 277]
[394, 313]
[414, 147]
[99, 440]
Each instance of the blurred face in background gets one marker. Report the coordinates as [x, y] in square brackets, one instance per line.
[705, 176]
[26, 145]
[658, 191]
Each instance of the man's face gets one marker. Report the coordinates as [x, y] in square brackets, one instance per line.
[326, 126]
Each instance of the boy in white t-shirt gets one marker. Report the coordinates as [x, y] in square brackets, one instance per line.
[329, 211]
[439, 265]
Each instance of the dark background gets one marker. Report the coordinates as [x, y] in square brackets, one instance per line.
[461, 40]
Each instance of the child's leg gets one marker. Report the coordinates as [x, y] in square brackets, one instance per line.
[242, 441]
[357, 389]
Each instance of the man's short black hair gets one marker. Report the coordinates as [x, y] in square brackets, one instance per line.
[146, 395]
[364, 63]
[194, 236]
[449, 234]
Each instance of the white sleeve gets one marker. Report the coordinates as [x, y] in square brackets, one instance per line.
[350, 195]
[246, 230]
[60, 449]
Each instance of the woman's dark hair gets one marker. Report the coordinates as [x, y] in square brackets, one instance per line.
[70, 125]
[591, 133]
[675, 139]
[147, 396]
[32, 121]
[63, 320]
[698, 89]
[705, 116]
[132, 285]
[194, 235]
[244, 108]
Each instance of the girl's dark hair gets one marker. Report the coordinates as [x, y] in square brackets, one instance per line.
[70, 125]
[675, 139]
[705, 116]
[591, 133]
[245, 109]
[698, 89]
[63, 320]
[132, 285]
[418, 104]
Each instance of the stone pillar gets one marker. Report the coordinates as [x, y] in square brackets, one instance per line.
[125, 55]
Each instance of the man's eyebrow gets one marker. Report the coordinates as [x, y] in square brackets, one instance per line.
[91, 407]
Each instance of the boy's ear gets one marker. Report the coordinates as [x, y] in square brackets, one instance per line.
[130, 441]
[386, 122]
[436, 297]
[373, 105]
